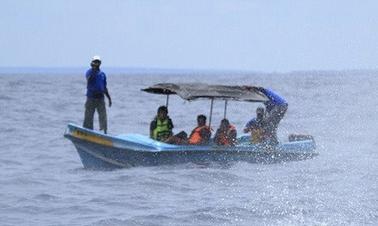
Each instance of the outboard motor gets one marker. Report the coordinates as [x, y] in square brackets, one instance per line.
[300, 137]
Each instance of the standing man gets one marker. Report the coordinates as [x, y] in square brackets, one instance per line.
[96, 88]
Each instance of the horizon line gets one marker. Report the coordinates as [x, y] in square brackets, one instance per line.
[121, 69]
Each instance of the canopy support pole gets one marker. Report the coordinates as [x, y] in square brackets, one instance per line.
[211, 111]
[167, 101]
[225, 108]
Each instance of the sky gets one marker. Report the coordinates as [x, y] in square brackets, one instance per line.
[250, 35]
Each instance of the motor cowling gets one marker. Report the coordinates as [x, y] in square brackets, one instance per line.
[300, 137]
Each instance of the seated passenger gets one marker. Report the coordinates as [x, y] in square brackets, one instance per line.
[226, 134]
[264, 128]
[161, 127]
[257, 127]
[181, 138]
[201, 134]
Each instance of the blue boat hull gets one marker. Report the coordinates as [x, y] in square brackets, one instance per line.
[99, 151]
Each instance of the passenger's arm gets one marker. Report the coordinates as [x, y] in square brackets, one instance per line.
[274, 98]
[248, 127]
[206, 134]
[171, 126]
[216, 137]
[152, 127]
[233, 135]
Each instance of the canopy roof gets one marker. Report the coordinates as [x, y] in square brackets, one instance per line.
[193, 91]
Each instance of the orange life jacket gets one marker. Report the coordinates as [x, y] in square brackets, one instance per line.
[224, 138]
[195, 137]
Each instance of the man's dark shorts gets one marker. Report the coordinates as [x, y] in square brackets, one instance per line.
[91, 105]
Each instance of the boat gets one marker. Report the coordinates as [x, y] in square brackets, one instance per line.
[103, 151]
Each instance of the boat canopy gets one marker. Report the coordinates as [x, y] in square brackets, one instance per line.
[193, 91]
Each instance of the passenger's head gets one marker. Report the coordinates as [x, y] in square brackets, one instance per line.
[260, 113]
[224, 124]
[201, 120]
[162, 112]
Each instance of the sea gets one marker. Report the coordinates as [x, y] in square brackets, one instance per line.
[43, 182]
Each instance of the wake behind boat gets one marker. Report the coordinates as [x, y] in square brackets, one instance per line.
[99, 151]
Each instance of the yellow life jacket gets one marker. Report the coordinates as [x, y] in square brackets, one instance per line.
[162, 130]
[257, 135]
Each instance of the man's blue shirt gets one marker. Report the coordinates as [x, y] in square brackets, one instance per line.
[252, 123]
[274, 99]
[96, 85]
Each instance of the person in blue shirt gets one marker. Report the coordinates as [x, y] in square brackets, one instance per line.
[257, 127]
[263, 128]
[96, 90]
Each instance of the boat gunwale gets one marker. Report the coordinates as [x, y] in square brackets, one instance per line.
[156, 146]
